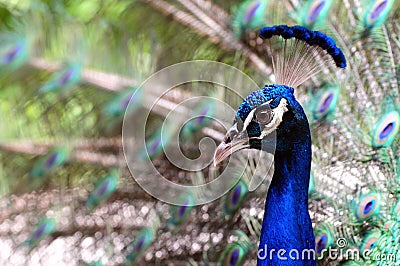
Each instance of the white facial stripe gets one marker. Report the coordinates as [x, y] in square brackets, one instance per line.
[248, 119]
[267, 103]
[276, 119]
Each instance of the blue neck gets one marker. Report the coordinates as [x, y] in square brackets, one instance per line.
[287, 224]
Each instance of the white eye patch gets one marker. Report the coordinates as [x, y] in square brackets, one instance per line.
[276, 119]
[250, 116]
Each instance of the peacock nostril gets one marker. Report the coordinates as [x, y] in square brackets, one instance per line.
[229, 137]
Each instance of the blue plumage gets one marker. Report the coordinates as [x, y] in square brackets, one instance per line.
[272, 110]
[233, 200]
[288, 192]
[308, 36]
[289, 187]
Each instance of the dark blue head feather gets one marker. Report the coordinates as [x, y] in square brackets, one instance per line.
[308, 36]
[293, 121]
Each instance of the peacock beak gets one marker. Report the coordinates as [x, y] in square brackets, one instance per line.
[233, 142]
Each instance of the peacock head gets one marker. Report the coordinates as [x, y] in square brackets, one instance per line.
[263, 113]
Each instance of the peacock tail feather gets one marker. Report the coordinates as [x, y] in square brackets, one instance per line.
[250, 14]
[14, 52]
[142, 240]
[233, 255]
[353, 193]
[118, 105]
[96, 263]
[43, 229]
[102, 190]
[234, 198]
[313, 12]
[49, 162]
[179, 213]
[200, 118]
[64, 80]
[323, 103]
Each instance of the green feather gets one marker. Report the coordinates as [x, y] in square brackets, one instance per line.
[376, 12]
[179, 213]
[127, 100]
[103, 190]
[14, 52]
[158, 141]
[63, 80]
[311, 186]
[49, 162]
[370, 240]
[233, 255]
[201, 117]
[367, 206]
[388, 125]
[324, 238]
[96, 263]
[251, 14]
[234, 198]
[43, 229]
[353, 263]
[324, 102]
[142, 241]
[313, 12]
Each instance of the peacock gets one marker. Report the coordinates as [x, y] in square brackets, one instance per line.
[286, 224]
[70, 77]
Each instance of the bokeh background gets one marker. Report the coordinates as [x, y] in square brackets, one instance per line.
[67, 72]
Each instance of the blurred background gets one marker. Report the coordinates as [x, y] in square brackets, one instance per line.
[68, 70]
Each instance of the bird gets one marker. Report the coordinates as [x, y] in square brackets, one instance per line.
[353, 121]
[286, 224]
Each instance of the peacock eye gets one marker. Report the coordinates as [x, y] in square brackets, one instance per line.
[263, 115]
